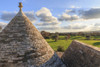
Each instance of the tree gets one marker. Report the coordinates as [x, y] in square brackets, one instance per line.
[67, 37]
[45, 34]
[55, 37]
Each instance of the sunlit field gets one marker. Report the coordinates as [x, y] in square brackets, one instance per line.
[95, 41]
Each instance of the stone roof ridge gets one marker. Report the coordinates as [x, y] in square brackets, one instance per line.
[93, 47]
[80, 54]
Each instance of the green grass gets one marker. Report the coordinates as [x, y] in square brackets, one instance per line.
[77, 37]
[66, 43]
[55, 45]
[92, 42]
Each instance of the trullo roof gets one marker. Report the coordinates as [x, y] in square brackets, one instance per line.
[22, 45]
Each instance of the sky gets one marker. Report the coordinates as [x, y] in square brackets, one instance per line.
[55, 15]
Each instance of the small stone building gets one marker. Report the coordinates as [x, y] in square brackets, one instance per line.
[22, 45]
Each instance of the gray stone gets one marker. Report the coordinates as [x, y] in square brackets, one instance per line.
[81, 55]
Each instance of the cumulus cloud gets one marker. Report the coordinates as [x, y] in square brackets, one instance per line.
[97, 24]
[45, 15]
[50, 23]
[74, 6]
[7, 16]
[80, 14]
[69, 15]
[70, 11]
[66, 17]
[93, 13]
[46, 18]
[95, 27]
[75, 26]
[71, 27]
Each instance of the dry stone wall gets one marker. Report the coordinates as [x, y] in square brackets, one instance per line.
[81, 55]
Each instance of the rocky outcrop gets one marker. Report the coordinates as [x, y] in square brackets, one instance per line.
[81, 55]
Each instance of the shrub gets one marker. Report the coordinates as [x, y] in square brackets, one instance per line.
[55, 37]
[60, 49]
[88, 37]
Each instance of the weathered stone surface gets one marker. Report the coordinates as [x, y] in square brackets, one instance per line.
[54, 61]
[22, 45]
[81, 55]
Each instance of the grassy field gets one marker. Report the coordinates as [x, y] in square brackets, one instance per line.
[66, 43]
[92, 42]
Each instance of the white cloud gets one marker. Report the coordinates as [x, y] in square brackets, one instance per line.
[66, 17]
[83, 26]
[52, 24]
[71, 27]
[43, 11]
[67, 11]
[45, 15]
[96, 27]
[70, 11]
[46, 18]
[97, 24]
[74, 6]
[47, 23]
[95, 7]
[80, 14]
[75, 26]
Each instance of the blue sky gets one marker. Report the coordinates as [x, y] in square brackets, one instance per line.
[55, 5]
[55, 15]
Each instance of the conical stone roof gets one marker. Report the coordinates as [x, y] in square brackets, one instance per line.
[22, 45]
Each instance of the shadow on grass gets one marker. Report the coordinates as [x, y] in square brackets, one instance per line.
[96, 43]
[50, 41]
[75, 38]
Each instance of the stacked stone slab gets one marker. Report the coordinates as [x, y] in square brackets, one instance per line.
[22, 45]
[81, 55]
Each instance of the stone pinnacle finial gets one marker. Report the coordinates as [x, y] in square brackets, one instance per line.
[20, 5]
